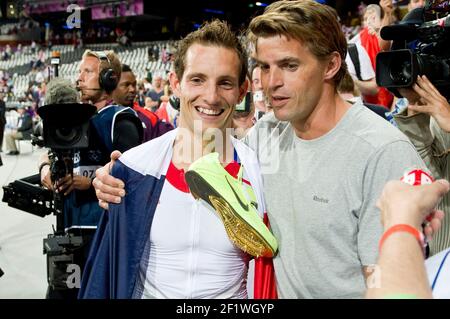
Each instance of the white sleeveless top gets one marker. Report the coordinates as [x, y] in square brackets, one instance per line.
[189, 254]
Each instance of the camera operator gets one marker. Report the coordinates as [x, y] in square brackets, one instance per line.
[112, 127]
[96, 81]
[426, 122]
[99, 74]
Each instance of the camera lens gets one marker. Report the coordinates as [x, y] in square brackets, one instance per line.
[401, 72]
[67, 135]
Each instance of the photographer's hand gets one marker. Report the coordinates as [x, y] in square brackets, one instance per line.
[69, 183]
[45, 177]
[431, 102]
[107, 188]
[44, 171]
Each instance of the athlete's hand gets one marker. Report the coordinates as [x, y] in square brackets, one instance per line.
[107, 188]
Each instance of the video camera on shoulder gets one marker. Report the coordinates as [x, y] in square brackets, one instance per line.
[420, 47]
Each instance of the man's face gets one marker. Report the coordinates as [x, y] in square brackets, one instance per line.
[157, 82]
[413, 4]
[125, 92]
[257, 89]
[372, 21]
[209, 88]
[292, 77]
[88, 79]
[256, 79]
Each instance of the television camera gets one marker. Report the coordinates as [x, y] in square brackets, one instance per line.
[420, 47]
[65, 129]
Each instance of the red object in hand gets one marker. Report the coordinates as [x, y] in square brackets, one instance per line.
[417, 177]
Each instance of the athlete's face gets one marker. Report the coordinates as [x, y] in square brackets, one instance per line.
[209, 88]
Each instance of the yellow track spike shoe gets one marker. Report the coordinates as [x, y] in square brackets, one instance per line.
[208, 180]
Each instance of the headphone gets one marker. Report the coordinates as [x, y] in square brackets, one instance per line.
[107, 78]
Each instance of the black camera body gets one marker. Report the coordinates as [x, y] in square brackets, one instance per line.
[27, 195]
[66, 126]
[59, 250]
[419, 47]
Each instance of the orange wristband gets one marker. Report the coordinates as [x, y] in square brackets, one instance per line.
[403, 228]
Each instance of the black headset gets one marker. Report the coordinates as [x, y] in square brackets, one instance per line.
[107, 78]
